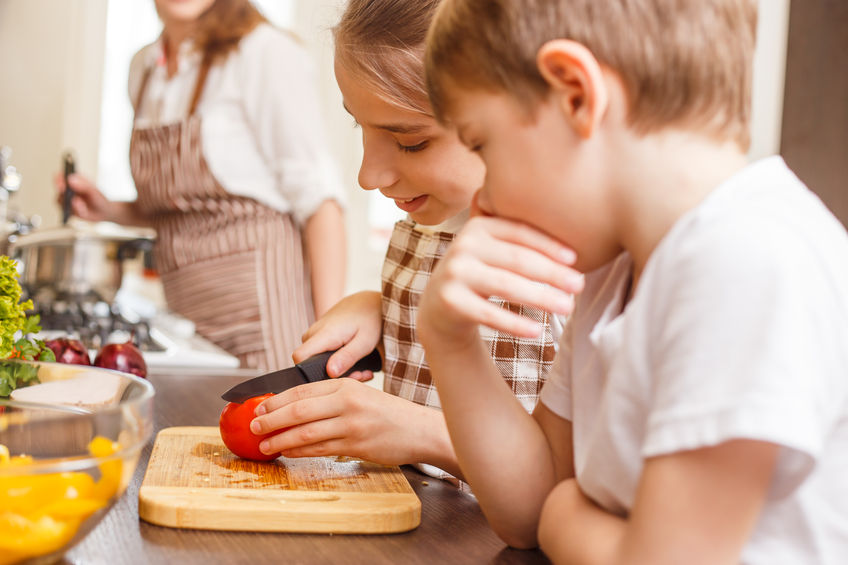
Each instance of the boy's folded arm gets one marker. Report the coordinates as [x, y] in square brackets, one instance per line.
[502, 451]
[696, 507]
[353, 326]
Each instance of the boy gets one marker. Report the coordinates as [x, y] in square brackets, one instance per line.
[696, 412]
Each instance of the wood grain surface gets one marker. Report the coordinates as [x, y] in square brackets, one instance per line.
[453, 529]
[194, 481]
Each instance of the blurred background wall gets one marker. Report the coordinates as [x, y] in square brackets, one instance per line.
[64, 65]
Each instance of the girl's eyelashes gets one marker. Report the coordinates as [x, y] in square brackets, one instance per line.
[414, 148]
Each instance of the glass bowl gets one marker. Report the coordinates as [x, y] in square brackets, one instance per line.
[65, 460]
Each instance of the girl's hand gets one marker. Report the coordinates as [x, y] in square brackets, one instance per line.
[354, 326]
[346, 417]
[88, 202]
[496, 257]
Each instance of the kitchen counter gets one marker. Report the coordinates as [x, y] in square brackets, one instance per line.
[452, 530]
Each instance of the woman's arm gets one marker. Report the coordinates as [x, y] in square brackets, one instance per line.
[326, 249]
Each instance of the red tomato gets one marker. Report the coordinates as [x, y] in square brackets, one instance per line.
[235, 429]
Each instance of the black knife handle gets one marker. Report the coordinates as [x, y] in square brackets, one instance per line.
[315, 368]
[69, 169]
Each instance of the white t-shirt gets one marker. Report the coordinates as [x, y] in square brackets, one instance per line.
[261, 126]
[738, 329]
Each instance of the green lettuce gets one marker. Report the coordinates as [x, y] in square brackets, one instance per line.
[16, 333]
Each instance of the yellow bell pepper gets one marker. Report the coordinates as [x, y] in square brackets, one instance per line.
[39, 514]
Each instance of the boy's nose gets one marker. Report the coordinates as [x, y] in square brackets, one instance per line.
[480, 204]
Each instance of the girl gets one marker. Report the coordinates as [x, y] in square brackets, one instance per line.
[429, 174]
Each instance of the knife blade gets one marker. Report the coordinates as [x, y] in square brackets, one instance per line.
[308, 371]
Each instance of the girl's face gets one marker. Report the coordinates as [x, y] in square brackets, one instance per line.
[409, 157]
[181, 11]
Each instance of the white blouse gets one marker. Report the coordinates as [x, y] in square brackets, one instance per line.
[261, 127]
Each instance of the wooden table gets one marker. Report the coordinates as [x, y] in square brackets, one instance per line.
[452, 530]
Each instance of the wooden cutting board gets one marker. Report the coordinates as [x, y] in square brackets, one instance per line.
[194, 481]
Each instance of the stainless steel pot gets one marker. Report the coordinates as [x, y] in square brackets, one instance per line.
[80, 262]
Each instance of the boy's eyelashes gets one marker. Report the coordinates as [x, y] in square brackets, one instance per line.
[413, 148]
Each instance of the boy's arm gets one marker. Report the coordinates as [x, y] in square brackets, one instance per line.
[694, 507]
[504, 453]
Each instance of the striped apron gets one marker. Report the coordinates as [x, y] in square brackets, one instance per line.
[230, 264]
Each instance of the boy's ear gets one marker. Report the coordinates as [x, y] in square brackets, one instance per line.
[575, 77]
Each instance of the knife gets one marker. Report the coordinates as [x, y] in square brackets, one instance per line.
[308, 371]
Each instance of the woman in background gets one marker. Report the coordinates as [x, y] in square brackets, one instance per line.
[231, 169]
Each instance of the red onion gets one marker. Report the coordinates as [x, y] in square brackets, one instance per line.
[69, 351]
[122, 357]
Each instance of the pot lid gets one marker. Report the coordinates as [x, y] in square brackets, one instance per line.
[78, 230]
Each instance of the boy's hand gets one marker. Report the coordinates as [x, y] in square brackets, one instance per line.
[496, 257]
[354, 326]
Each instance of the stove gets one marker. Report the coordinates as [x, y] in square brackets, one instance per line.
[168, 342]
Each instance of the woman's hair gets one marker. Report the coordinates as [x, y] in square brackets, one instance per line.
[222, 26]
[382, 42]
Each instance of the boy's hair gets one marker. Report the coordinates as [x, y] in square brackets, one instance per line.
[682, 62]
[382, 42]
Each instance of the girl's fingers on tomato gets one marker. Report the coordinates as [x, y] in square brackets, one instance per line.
[318, 403]
[310, 434]
[333, 447]
[294, 394]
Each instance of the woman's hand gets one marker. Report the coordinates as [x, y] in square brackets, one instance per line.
[88, 202]
[346, 417]
[354, 326]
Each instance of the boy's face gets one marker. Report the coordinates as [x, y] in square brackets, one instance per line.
[539, 171]
[409, 157]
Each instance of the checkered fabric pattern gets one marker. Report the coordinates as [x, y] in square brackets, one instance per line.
[411, 257]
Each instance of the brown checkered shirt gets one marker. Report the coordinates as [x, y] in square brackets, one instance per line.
[410, 259]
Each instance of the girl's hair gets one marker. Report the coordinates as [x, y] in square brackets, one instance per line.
[222, 26]
[382, 42]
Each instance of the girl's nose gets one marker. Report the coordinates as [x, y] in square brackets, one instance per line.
[377, 169]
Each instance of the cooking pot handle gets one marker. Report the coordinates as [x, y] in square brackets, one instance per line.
[129, 248]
